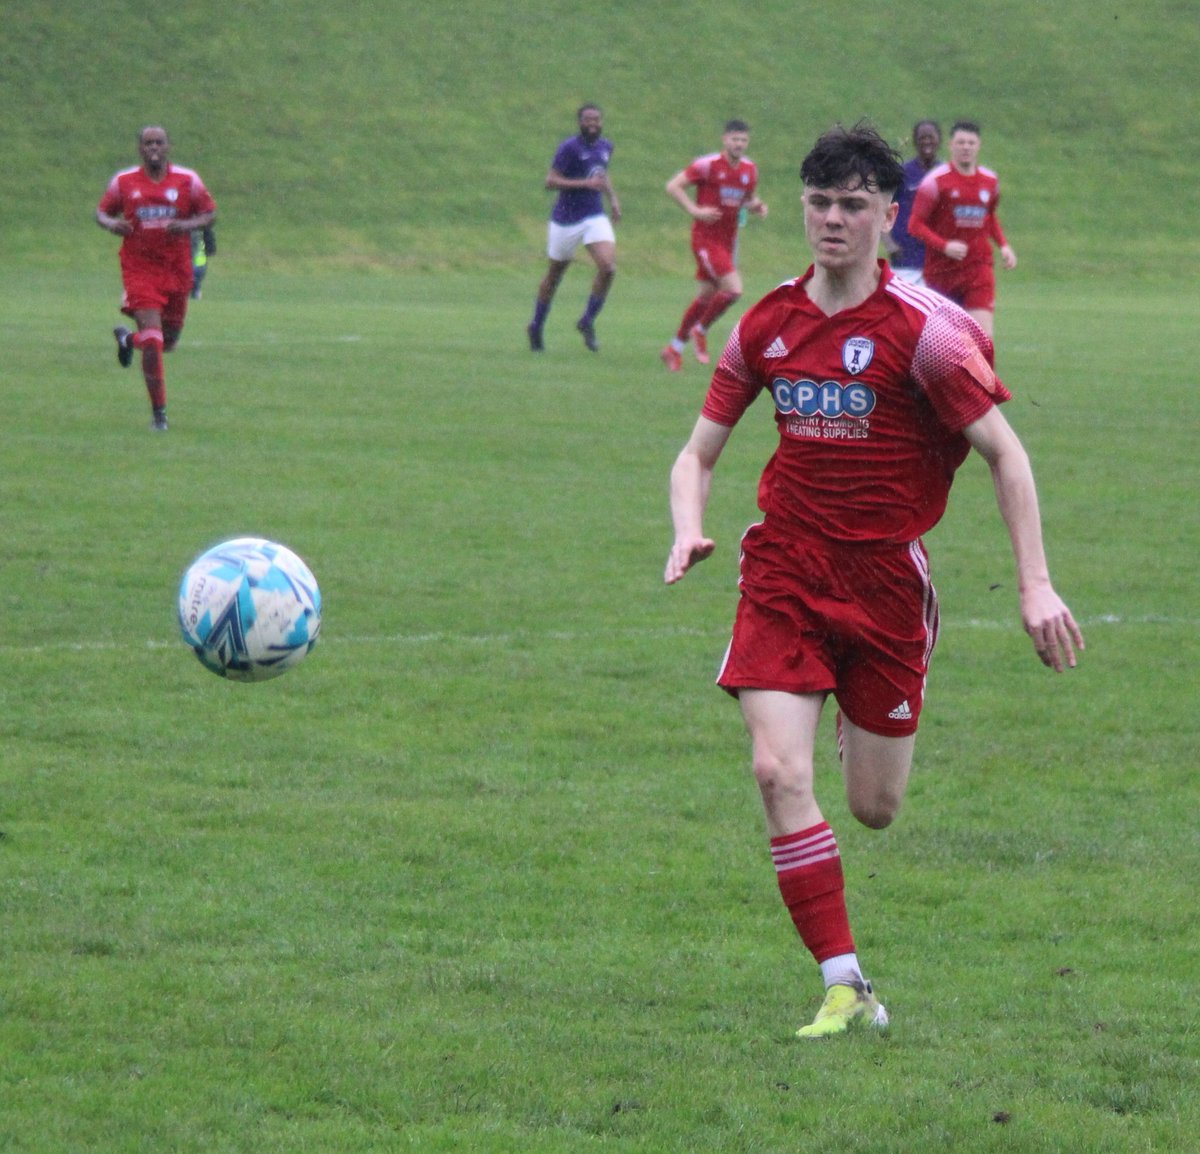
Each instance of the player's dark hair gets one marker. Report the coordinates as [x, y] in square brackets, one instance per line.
[966, 126]
[855, 157]
[588, 108]
[926, 124]
[736, 126]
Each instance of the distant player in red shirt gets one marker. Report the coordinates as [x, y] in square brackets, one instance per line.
[954, 216]
[154, 208]
[880, 389]
[726, 184]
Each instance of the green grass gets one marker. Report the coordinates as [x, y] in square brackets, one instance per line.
[414, 136]
[488, 871]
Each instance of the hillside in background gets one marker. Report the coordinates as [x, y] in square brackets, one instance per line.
[415, 136]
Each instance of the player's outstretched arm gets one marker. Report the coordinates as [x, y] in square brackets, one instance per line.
[1046, 618]
[691, 479]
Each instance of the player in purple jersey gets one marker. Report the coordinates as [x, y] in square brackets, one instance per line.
[906, 254]
[579, 173]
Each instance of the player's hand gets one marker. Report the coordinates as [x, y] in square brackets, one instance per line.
[760, 209]
[956, 249]
[1008, 256]
[684, 554]
[706, 213]
[1051, 628]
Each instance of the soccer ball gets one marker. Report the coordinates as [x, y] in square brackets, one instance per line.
[250, 609]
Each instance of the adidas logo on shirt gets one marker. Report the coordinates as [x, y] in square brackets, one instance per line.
[901, 712]
[776, 349]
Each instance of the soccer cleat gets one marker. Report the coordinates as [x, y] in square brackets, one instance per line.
[535, 338]
[124, 346]
[700, 342]
[589, 334]
[843, 1007]
[159, 424]
[672, 359]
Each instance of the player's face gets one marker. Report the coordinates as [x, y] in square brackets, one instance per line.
[928, 140]
[154, 148]
[735, 145]
[844, 225]
[964, 150]
[590, 123]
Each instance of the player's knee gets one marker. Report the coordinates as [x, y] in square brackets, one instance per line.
[877, 811]
[777, 779]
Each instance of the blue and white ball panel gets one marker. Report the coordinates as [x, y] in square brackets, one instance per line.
[250, 609]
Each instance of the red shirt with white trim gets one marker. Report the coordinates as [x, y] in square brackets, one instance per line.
[149, 204]
[870, 405]
[722, 185]
[951, 205]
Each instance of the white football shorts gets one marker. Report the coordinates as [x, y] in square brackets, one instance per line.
[566, 238]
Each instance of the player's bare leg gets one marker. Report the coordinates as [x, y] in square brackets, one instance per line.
[808, 865]
[876, 770]
[985, 318]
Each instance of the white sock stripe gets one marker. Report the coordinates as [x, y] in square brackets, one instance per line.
[798, 861]
[793, 841]
[792, 855]
[814, 839]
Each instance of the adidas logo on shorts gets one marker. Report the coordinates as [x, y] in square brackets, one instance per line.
[901, 712]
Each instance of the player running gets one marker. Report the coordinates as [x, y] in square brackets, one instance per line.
[880, 390]
[954, 216]
[579, 173]
[726, 184]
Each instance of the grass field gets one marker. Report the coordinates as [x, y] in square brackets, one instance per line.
[488, 871]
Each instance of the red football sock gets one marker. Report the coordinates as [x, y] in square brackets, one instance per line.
[150, 341]
[691, 318]
[717, 304]
[809, 870]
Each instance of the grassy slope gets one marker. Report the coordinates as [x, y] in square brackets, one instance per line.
[489, 872]
[412, 135]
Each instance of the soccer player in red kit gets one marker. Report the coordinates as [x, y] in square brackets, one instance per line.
[880, 390]
[954, 216]
[726, 184]
[154, 208]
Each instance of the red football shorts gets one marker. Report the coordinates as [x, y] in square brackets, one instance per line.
[163, 289]
[857, 622]
[971, 286]
[713, 261]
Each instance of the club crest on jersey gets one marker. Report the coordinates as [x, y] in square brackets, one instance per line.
[857, 353]
[172, 195]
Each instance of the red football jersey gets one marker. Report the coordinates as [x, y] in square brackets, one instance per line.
[149, 205]
[950, 205]
[870, 405]
[722, 185]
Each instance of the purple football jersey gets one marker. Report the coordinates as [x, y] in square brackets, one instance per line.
[576, 159]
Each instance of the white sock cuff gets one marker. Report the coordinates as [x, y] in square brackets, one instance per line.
[841, 970]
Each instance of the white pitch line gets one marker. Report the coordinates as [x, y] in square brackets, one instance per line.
[564, 635]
